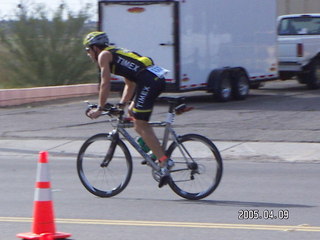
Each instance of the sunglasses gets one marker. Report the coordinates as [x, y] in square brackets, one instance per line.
[88, 49]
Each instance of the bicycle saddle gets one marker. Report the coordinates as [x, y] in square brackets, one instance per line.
[177, 100]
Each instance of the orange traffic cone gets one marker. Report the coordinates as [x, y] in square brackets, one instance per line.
[43, 227]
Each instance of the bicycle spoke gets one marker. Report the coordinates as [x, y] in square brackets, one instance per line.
[103, 174]
[197, 176]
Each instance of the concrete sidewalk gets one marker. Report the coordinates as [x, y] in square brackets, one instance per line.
[253, 151]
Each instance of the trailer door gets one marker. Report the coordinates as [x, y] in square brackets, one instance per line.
[144, 27]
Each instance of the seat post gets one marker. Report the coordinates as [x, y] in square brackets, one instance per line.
[172, 105]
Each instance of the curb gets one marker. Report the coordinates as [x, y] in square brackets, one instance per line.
[238, 151]
[11, 97]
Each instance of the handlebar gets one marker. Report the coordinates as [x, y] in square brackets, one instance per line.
[177, 105]
[108, 109]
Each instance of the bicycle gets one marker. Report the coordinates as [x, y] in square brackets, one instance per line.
[104, 162]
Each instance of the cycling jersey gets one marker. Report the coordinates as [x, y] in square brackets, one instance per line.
[127, 63]
[148, 77]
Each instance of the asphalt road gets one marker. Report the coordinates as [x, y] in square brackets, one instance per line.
[143, 211]
[279, 113]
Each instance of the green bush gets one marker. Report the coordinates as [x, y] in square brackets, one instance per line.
[36, 50]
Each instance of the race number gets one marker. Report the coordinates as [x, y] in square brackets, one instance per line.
[159, 71]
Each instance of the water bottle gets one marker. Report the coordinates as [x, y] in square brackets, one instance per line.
[143, 145]
[146, 149]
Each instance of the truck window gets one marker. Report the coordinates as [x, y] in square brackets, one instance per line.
[299, 26]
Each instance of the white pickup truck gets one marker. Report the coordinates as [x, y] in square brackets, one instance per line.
[299, 48]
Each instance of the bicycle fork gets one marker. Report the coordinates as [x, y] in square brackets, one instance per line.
[114, 141]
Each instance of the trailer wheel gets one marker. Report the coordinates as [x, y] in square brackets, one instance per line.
[240, 85]
[223, 86]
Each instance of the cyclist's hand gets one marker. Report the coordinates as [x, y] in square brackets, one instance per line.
[94, 113]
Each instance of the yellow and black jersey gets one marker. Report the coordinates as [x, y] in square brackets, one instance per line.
[127, 63]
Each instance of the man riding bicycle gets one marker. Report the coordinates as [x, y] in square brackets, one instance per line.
[143, 80]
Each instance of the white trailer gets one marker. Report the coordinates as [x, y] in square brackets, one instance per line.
[220, 46]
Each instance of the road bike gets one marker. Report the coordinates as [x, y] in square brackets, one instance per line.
[104, 162]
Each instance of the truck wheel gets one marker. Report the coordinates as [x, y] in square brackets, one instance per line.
[223, 89]
[302, 78]
[240, 85]
[313, 81]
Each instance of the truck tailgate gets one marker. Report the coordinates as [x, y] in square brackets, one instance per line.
[287, 49]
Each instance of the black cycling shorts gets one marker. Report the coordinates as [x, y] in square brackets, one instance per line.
[148, 88]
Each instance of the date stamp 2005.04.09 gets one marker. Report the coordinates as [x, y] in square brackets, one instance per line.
[266, 214]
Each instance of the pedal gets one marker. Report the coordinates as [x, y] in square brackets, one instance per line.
[144, 162]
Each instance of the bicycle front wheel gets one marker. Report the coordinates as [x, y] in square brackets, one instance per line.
[198, 166]
[103, 174]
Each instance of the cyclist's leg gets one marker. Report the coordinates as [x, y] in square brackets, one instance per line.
[143, 128]
[148, 88]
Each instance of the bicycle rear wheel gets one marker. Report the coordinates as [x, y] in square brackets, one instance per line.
[198, 167]
[101, 175]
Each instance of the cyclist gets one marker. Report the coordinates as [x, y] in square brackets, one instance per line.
[142, 79]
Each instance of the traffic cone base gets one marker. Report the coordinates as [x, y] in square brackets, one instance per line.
[43, 226]
[43, 236]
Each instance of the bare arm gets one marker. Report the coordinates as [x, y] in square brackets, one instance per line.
[128, 91]
[104, 60]
[104, 64]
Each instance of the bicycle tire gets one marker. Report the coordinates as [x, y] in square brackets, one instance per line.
[185, 181]
[104, 181]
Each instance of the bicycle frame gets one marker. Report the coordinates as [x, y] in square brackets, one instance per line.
[183, 149]
[168, 130]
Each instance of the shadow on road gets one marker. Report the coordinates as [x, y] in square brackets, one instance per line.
[226, 203]
[247, 204]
